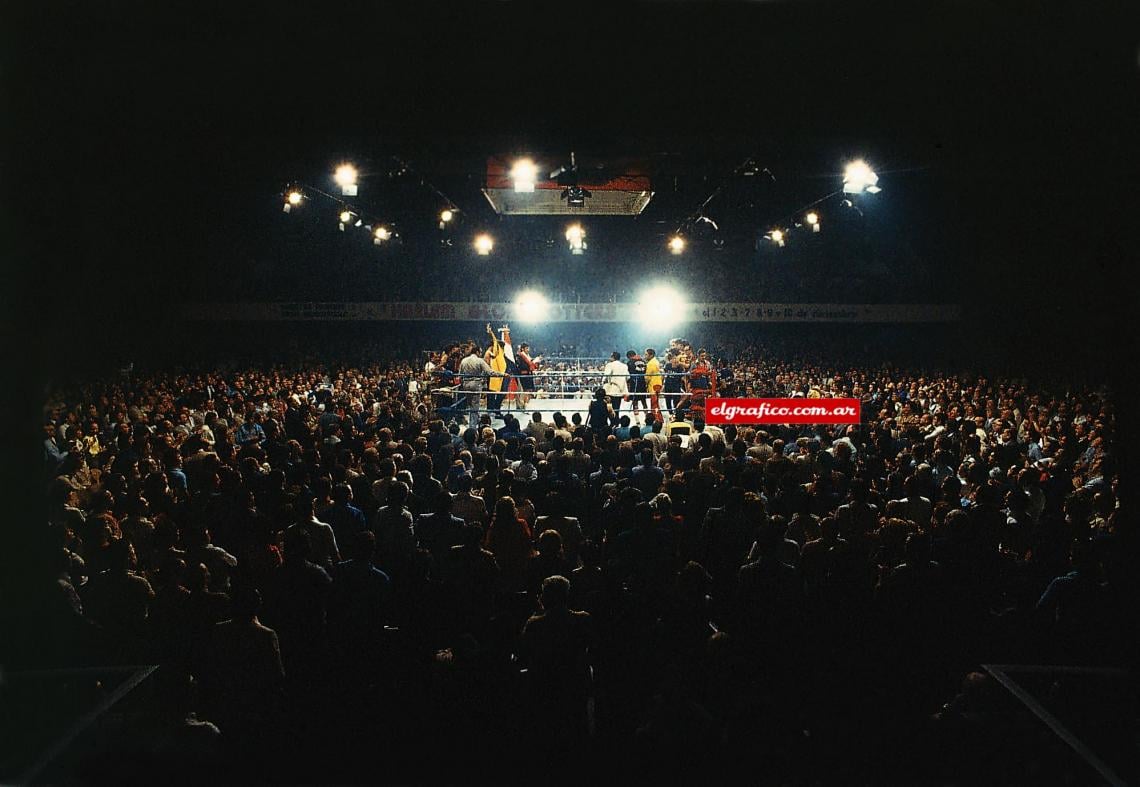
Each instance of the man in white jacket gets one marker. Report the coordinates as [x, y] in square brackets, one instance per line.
[616, 380]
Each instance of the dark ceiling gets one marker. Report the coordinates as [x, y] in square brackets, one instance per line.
[154, 133]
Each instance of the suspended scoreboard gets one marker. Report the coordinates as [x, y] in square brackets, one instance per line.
[612, 191]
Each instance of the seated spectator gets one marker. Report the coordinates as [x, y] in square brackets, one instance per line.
[509, 540]
[321, 536]
[439, 530]
[568, 527]
[550, 561]
[359, 599]
[556, 646]
[344, 518]
[118, 598]
[243, 676]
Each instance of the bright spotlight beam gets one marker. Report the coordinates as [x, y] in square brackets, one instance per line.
[531, 307]
[661, 308]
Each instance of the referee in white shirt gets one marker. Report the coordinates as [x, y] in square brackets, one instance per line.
[616, 381]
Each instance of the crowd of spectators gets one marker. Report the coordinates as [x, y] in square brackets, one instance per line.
[343, 578]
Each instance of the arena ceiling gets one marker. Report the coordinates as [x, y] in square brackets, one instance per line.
[150, 137]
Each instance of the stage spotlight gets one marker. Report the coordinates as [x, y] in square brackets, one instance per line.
[576, 236]
[676, 244]
[812, 220]
[484, 244]
[660, 308]
[531, 307]
[345, 177]
[859, 177]
[777, 237]
[381, 234]
[524, 173]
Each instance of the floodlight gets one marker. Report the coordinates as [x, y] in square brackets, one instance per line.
[676, 244]
[812, 220]
[483, 244]
[859, 177]
[524, 173]
[576, 236]
[382, 233]
[345, 177]
[777, 237]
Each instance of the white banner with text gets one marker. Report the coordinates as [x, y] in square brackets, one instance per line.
[573, 312]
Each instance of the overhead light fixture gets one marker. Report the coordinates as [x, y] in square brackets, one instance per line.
[345, 217]
[812, 220]
[676, 244]
[445, 216]
[777, 237]
[381, 234]
[345, 177]
[524, 173]
[484, 244]
[576, 236]
[859, 177]
[293, 198]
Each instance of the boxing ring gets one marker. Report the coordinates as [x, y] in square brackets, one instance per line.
[567, 388]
